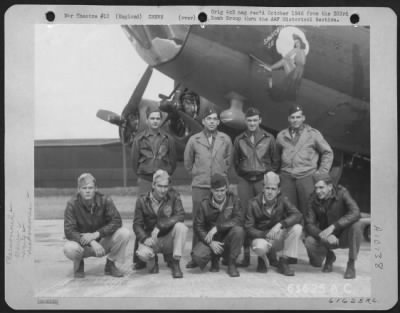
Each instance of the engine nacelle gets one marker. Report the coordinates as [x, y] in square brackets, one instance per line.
[234, 116]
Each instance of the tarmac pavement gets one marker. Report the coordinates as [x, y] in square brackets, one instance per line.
[55, 278]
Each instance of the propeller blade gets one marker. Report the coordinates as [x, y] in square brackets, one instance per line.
[137, 94]
[164, 97]
[194, 125]
[110, 117]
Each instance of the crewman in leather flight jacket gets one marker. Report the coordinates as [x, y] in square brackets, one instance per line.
[152, 149]
[218, 224]
[158, 225]
[272, 221]
[93, 228]
[254, 154]
[332, 221]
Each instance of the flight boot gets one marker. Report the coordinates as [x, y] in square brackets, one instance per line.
[330, 259]
[111, 269]
[214, 264]
[284, 267]
[273, 260]
[246, 258]
[176, 269]
[292, 260]
[350, 270]
[261, 266]
[191, 264]
[168, 260]
[79, 269]
[232, 270]
[154, 269]
[139, 264]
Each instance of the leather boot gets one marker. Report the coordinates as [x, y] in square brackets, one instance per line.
[330, 258]
[154, 269]
[139, 264]
[273, 260]
[292, 260]
[191, 264]
[176, 270]
[350, 270]
[246, 258]
[214, 264]
[261, 266]
[111, 269]
[232, 270]
[80, 271]
[284, 267]
[168, 259]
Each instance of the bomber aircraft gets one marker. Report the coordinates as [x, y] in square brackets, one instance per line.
[325, 69]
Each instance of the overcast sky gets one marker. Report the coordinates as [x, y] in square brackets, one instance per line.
[80, 69]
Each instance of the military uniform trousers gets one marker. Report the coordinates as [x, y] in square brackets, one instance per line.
[298, 190]
[233, 241]
[246, 191]
[350, 237]
[114, 246]
[144, 186]
[198, 194]
[288, 242]
[172, 243]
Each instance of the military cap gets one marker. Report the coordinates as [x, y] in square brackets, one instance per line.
[209, 111]
[150, 110]
[218, 181]
[252, 112]
[317, 176]
[295, 108]
[85, 179]
[271, 178]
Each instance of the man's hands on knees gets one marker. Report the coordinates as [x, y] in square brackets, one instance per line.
[332, 240]
[326, 232]
[217, 247]
[97, 248]
[210, 234]
[274, 232]
[149, 242]
[87, 238]
[154, 235]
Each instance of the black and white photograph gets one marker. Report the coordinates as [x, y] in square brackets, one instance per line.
[227, 157]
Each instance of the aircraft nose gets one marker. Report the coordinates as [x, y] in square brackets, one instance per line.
[157, 44]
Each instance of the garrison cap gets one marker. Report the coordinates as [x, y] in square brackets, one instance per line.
[271, 178]
[209, 111]
[252, 112]
[295, 108]
[322, 176]
[218, 181]
[85, 179]
[150, 110]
